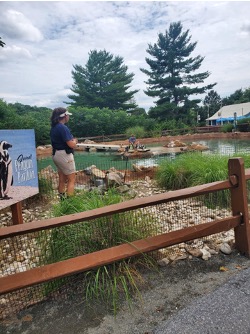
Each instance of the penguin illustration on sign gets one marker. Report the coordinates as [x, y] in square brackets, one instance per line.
[6, 175]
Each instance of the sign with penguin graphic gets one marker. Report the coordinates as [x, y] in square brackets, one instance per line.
[18, 166]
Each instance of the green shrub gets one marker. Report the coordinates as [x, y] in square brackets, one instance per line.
[154, 133]
[243, 120]
[138, 131]
[243, 125]
[227, 127]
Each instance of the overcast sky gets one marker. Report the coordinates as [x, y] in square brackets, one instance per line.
[44, 39]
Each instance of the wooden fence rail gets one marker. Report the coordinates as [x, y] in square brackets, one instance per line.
[196, 129]
[123, 136]
[237, 177]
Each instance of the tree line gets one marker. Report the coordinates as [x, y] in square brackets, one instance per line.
[103, 103]
[90, 122]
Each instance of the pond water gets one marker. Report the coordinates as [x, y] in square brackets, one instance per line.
[105, 160]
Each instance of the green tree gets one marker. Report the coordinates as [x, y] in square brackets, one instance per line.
[88, 122]
[4, 111]
[102, 83]
[234, 98]
[138, 111]
[212, 102]
[172, 75]
[1, 42]
[246, 95]
[19, 116]
[23, 109]
[8, 116]
[239, 96]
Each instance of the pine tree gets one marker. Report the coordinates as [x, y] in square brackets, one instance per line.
[1, 42]
[212, 102]
[103, 83]
[172, 77]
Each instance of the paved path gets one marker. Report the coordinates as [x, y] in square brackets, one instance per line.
[226, 310]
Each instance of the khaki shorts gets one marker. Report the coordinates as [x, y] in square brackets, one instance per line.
[64, 162]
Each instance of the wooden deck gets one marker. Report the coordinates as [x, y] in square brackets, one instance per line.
[99, 147]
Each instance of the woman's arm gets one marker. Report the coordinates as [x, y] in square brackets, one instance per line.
[72, 143]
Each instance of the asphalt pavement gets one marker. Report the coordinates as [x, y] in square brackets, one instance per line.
[225, 310]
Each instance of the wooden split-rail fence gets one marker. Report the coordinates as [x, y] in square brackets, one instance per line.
[239, 221]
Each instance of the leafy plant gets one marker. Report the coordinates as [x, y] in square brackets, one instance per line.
[108, 282]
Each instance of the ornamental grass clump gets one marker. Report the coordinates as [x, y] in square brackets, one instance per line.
[112, 283]
[107, 282]
[195, 168]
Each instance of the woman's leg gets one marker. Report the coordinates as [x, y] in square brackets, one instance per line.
[66, 170]
[71, 184]
[62, 182]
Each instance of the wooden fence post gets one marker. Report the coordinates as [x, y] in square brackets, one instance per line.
[16, 210]
[239, 203]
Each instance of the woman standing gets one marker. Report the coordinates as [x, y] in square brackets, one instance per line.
[63, 144]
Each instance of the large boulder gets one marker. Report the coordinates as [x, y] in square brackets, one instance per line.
[44, 150]
[135, 154]
[175, 143]
[197, 147]
[113, 179]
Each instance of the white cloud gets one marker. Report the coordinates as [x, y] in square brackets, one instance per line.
[15, 25]
[14, 52]
[45, 39]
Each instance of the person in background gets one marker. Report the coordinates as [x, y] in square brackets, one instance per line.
[132, 141]
[63, 144]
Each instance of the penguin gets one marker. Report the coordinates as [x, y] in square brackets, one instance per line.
[6, 175]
